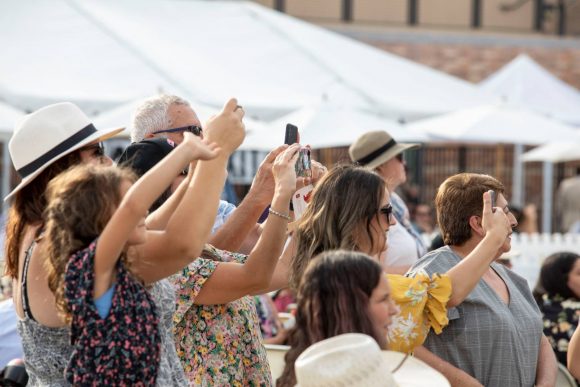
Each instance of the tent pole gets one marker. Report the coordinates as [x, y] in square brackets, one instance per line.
[518, 176]
[547, 187]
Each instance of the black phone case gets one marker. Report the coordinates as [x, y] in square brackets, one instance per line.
[291, 136]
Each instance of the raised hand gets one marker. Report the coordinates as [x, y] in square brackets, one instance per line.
[284, 169]
[495, 222]
[227, 129]
[201, 149]
[262, 188]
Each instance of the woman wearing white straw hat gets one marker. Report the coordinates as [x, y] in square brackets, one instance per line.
[46, 143]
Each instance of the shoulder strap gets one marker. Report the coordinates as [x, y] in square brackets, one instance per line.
[24, 289]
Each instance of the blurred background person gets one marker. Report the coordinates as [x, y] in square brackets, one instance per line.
[558, 295]
[380, 152]
[568, 203]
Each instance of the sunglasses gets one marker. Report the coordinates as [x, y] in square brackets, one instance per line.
[98, 148]
[388, 212]
[196, 130]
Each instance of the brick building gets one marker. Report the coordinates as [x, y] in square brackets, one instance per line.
[470, 40]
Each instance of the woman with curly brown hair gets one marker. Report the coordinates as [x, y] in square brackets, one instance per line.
[46, 143]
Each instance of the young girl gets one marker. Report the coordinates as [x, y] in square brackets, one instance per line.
[94, 218]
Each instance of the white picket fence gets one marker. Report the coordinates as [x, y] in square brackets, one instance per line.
[530, 250]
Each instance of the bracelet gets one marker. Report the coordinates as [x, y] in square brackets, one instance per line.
[281, 215]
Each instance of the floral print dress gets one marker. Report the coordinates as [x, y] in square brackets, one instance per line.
[560, 316]
[122, 348]
[422, 301]
[219, 345]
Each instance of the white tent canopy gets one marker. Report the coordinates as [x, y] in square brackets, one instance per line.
[495, 124]
[8, 118]
[554, 152]
[100, 53]
[526, 83]
[325, 126]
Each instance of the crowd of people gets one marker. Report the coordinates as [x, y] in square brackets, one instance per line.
[136, 273]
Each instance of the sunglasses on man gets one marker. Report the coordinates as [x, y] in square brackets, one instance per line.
[196, 130]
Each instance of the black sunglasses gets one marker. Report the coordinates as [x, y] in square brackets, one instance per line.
[99, 149]
[388, 212]
[196, 130]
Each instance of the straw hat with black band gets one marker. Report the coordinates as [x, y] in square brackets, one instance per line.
[46, 135]
[355, 360]
[375, 148]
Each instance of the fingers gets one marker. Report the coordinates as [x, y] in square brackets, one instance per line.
[230, 105]
[274, 153]
[487, 203]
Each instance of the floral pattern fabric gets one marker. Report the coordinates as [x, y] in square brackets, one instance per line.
[122, 348]
[560, 317]
[422, 301]
[219, 345]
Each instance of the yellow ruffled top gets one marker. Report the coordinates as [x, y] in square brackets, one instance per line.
[422, 301]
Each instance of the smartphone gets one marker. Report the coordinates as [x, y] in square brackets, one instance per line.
[492, 193]
[291, 134]
[303, 166]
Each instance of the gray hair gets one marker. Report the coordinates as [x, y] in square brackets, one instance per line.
[152, 115]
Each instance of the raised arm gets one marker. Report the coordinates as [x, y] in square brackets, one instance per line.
[134, 206]
[240, 229]
[467, 273]
[189, 226]
[158, 219]
[231, 281]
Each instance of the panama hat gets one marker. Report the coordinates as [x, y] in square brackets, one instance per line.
[354, 359]
[46, 135]
[375, 148]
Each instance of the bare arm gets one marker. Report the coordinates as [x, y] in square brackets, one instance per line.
[158, 219]
[467, 273]
[241, 227]
[455, 376]
[547, 369]
[574, 354]
[231, 281]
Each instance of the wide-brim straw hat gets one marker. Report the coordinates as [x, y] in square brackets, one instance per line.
[375, 148]
[354, 359]
[46, 135]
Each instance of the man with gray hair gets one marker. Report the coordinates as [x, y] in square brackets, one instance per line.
[235, 229]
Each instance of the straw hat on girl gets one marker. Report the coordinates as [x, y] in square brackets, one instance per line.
[356, 360]
[42, 137]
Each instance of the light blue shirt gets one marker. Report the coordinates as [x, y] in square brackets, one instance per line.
[225, 209]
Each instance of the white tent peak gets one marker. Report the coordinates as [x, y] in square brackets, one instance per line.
[526, 83]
